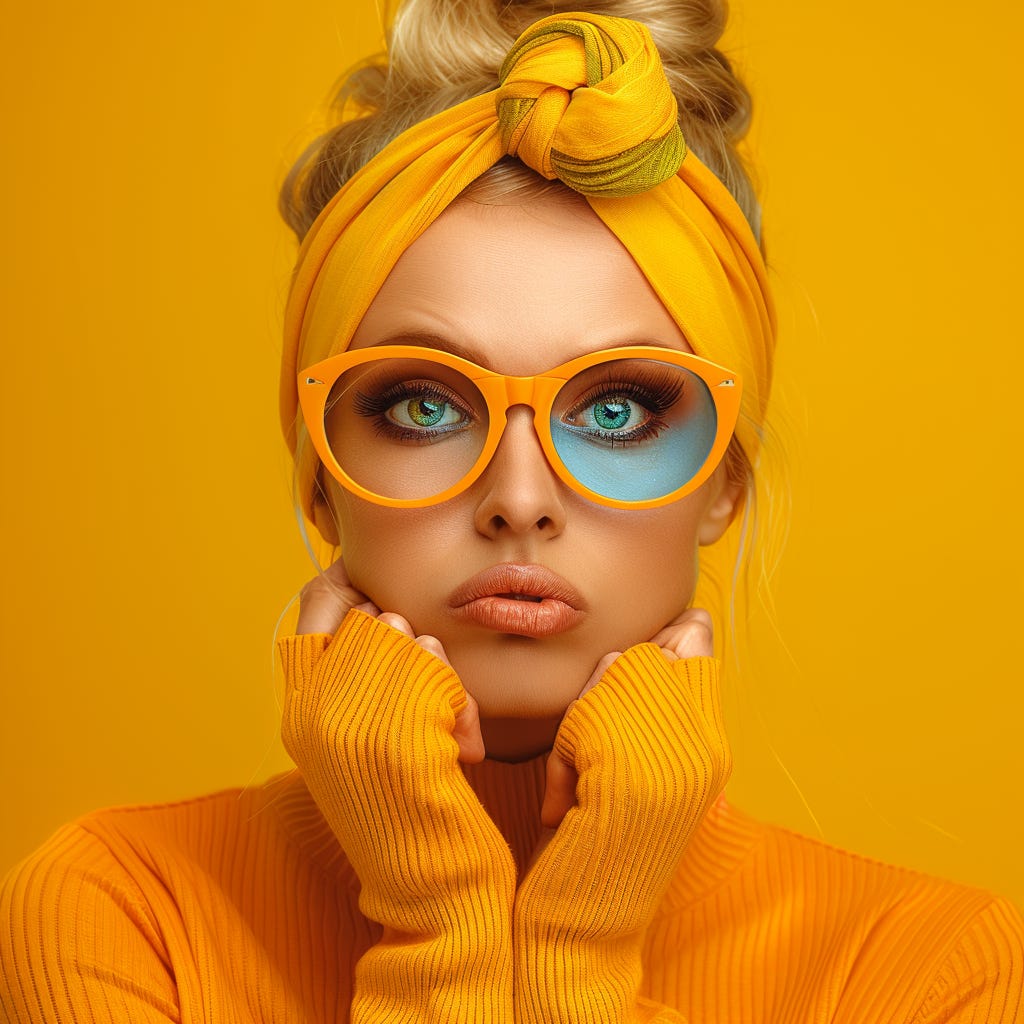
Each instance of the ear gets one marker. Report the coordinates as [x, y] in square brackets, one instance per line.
[323, 514]
[724, 503]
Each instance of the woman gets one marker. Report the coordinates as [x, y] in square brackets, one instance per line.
[527, 410]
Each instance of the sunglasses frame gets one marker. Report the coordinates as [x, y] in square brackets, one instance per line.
[501, 392]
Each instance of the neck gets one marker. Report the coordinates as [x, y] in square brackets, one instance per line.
[511, 793]
[518, 739]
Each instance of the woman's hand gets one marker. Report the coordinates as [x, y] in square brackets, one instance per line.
[639, 758]
[687, 636]
[326, 600]
[377, 720]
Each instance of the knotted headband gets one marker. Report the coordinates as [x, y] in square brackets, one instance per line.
[560, 107]
[582, 98]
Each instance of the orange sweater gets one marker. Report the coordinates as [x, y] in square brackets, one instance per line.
[380, 884]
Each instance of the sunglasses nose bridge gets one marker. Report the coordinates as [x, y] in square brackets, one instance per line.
[519, 391]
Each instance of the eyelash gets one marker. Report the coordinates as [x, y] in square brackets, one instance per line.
[655, 397]
[375, 406]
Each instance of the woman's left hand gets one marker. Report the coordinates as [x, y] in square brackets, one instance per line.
[689, 635]
[638, 760]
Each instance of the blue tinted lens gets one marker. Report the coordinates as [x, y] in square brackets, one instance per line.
[634, 429]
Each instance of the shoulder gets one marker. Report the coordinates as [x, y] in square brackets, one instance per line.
[73, 919]
[209, 841]
[880, 941]
[129, 907]
[214, 832]
[936, 950]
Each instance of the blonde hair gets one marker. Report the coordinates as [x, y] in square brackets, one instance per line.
[443, 52]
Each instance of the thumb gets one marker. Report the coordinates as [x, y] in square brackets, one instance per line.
[466, 731]
[560, 774]
[689, 635]
[327, 598]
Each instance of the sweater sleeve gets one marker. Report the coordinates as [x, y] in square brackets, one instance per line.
[982, 980]
[368, 720]
[649, 749]
[78, 942]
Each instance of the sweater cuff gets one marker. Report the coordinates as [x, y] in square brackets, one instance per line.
[648, 746]
[368, 718]
[386, 658]
[647, 701]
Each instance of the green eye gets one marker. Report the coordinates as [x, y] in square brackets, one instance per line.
[425, 412]
[612, 415]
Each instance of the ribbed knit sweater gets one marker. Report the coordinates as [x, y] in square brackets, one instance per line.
[382, 881]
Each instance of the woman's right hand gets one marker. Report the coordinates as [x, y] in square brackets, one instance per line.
[329, 596]
[377, 720]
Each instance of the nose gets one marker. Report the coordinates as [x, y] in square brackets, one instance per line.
[518, 491]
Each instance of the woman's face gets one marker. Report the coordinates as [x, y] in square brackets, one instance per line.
[520, 289]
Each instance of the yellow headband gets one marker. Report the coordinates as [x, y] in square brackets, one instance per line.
[583, 98]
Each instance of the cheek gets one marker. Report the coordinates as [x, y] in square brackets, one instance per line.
[388, 552]
[660, 560]
[643, 573]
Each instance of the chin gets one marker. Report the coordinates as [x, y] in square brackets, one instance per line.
[521, 681]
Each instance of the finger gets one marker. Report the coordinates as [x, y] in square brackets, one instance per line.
[396, 621]
[559, 791]
[689, 635]
[434, 646]
[561, 777]
[327, 598]
[599, 671]
[467, 733]
[467, 723]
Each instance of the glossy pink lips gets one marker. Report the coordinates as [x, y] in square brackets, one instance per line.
[524, 600]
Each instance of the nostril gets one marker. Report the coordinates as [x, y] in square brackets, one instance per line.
[519, 492]
[500, 523]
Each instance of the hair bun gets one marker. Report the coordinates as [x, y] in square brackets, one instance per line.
[584, 99]
[442, 52]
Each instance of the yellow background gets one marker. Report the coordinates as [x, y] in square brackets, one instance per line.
[149, 544]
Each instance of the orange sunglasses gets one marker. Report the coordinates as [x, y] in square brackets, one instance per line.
[409, 427]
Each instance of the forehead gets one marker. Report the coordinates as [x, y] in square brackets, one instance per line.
[518, 288]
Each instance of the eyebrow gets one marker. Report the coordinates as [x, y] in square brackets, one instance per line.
[427, 339]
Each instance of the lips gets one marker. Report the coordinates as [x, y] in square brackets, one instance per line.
[522, 600]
